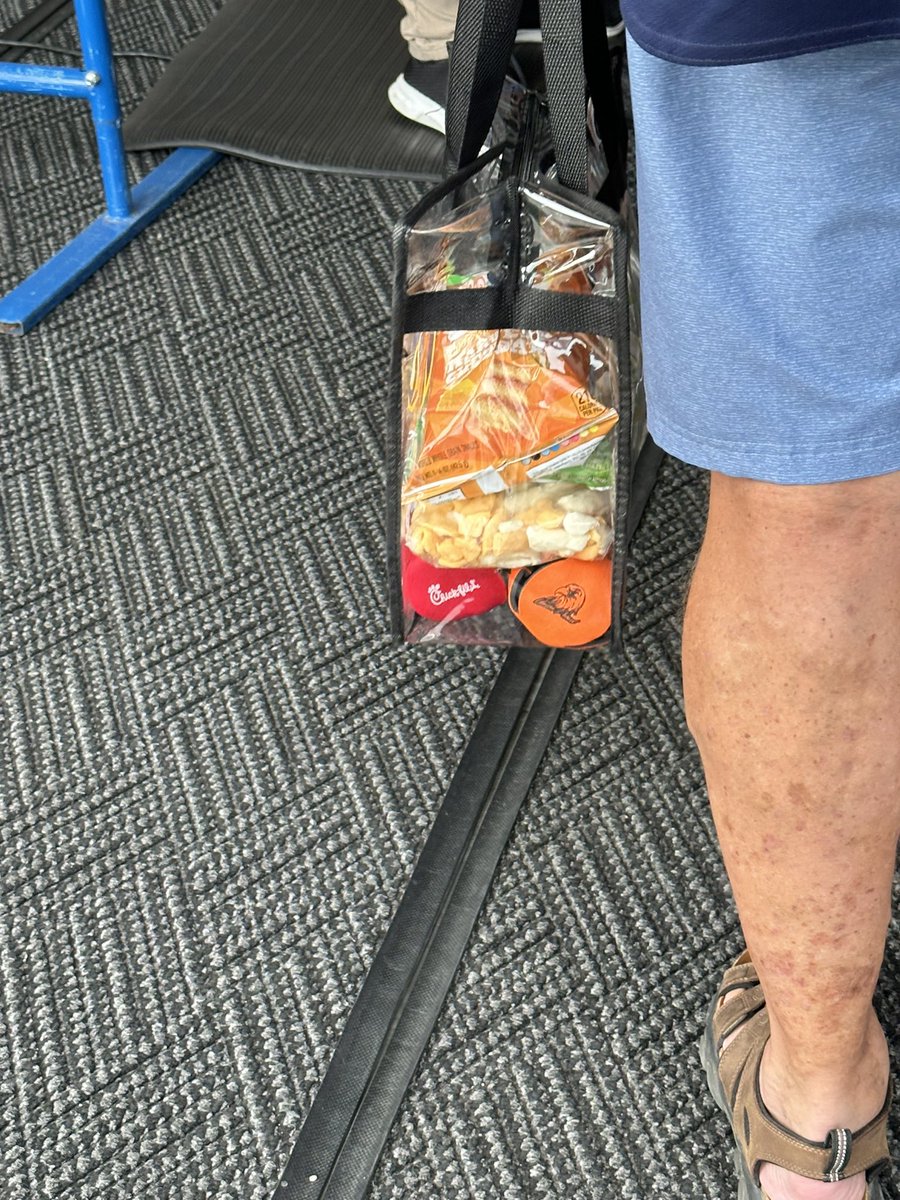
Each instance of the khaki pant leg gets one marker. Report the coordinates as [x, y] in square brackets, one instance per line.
[428, 26]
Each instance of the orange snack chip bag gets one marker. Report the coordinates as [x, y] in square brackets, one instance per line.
[491, 400]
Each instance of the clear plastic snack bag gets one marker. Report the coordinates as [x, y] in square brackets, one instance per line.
[509, 434]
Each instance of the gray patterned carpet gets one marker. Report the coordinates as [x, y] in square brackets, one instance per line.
[216, 773]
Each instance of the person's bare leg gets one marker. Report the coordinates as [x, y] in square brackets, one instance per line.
[792, 692]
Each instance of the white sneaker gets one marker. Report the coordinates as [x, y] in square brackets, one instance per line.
[420, 93]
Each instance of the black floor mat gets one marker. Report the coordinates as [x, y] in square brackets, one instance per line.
[297, 84]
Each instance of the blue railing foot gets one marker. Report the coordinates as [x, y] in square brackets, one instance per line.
[25, 305]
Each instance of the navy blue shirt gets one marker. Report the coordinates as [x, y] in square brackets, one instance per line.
[718, 32]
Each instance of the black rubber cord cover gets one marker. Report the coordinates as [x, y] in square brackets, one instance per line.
[343, 1135]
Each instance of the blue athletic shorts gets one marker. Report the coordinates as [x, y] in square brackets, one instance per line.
[769, 206]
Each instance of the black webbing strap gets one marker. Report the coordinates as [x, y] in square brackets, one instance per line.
[390, 1023]
[642, 480]
[604, 87]
[502, 308]
[482, 48]
[577, 63]
[563, 42]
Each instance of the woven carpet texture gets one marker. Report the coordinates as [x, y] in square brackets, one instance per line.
[216, 773]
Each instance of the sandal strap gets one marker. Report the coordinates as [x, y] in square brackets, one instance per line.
[763, 1138]
[728, 1018]
[741, 974]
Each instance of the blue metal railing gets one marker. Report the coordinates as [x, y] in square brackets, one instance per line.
[127, 211]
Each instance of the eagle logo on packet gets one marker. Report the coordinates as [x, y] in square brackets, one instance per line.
[566, 602]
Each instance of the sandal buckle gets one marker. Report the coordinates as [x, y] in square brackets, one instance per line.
[840, 1141]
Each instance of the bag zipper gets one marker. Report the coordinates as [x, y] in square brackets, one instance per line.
[522, 165]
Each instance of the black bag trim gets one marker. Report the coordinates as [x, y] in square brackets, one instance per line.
[497, 308]
[623, 458]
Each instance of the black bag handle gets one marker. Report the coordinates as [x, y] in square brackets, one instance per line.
[577, 63]
[576, 54]
[482, 48]
[604, 88]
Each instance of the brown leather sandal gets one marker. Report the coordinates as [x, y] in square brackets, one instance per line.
[733, 1077]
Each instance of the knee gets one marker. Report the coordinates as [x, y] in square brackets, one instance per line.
[796, 520]
[822, 547]
[808, 575]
